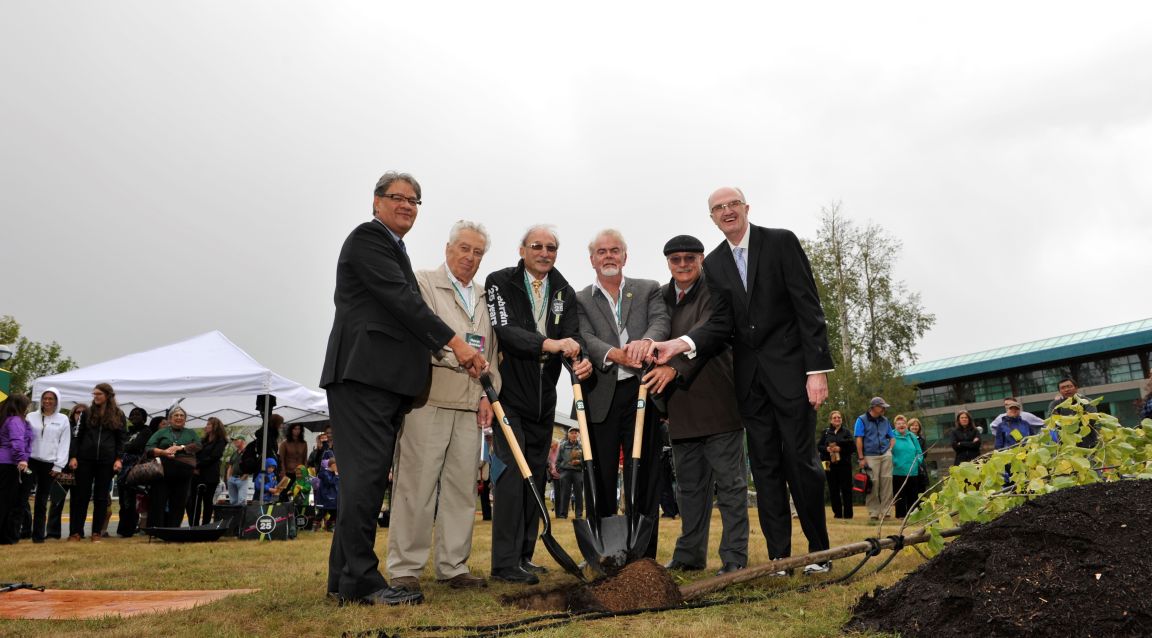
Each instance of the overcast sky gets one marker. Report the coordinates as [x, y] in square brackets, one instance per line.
[173, 168]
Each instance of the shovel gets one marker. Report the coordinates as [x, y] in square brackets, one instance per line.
[602, 541]
[550, 543]
[640, 526]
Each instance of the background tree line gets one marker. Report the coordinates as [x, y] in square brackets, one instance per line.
[32, 359]
[874, 321]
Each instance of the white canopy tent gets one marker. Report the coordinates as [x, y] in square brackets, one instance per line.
[213, 376]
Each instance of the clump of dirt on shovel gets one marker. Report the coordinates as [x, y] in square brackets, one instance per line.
[643, 584]
[1077, 562]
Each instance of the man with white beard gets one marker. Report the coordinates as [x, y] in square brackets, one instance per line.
[619, 319]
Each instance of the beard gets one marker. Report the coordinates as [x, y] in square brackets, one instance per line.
[610, 271]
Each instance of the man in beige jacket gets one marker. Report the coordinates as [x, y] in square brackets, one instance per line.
[439, 444]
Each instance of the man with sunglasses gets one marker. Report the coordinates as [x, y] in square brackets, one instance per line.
[768, 308]
[703, 422]
[376, 364]
[619, 317]
[533, 310]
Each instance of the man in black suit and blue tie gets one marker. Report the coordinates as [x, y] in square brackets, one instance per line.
[767, 307]
[376, 363]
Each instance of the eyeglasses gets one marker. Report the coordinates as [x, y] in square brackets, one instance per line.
[400, 199]
[676, 260]
[719, 207]
[537, 246]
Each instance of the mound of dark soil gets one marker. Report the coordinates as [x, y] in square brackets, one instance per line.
[642, 584]
[1077, 562]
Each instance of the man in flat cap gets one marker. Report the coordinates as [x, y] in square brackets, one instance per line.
[767, 306]
[704, 423]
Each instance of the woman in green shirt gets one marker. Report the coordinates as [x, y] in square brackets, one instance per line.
[176, 447]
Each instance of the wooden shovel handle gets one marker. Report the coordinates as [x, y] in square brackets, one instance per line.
[505, 427]
[582, 421]
[638, 430]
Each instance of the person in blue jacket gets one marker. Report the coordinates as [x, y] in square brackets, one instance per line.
[1013, 422]
[326, 492]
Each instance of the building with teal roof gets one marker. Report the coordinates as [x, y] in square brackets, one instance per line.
[1112, 362]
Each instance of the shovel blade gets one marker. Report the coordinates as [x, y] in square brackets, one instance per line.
[561, 557]
[645, 527]
[607, 551]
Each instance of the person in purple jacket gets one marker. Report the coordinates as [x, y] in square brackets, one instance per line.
[15, 441]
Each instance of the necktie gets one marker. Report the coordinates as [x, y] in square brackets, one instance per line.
[402, 246]
[679, 297]
[536, 286]
[741, 265]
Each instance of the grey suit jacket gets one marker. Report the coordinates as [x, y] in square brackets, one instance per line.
[644, 314]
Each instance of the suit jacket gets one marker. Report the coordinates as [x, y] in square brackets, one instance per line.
[642, 312]
[383, 330]
[777, 325]
[702, 398]
[450, 386]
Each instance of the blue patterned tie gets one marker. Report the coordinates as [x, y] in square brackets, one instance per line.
[741, 265]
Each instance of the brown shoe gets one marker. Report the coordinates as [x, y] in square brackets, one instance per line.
[466, 581]
[95, 537]
[74, 537]
[407, 583]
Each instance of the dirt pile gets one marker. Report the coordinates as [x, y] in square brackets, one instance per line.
[643, 584]
[1077, 562]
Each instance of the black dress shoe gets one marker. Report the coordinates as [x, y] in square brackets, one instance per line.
[683, 567]
[515, 575]
[728, 568]
[389, 596]
[533, 568]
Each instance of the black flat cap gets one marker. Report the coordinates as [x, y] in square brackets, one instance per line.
[683, 244]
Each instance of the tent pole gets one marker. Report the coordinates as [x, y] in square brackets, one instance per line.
[264, 450]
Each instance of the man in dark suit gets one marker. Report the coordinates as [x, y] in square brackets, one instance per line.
[619, 318]
[767, 306]
[377, 361]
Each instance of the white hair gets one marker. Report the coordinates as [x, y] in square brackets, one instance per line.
[464, 224]
[548, 228]
[608, 232]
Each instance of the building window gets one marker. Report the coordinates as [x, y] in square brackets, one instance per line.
[991, 389]
[1092, 373]
[1125, 368]
[1042, 381]
[937, 397]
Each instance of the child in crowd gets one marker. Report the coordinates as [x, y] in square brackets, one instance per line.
[268, 478]
[327, 491]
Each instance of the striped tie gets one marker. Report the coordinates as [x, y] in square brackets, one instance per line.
[741, 265]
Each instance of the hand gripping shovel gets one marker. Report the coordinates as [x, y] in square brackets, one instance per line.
[640, 526]
[602, 541]
[550, 543]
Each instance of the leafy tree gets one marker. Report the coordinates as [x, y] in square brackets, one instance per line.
[874, 321]
[32, 359]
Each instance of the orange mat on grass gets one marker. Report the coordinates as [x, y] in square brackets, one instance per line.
[69, 604]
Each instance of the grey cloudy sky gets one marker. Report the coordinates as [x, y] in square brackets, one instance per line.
[172, 168]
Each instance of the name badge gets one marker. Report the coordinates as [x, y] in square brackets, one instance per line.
[475, 340]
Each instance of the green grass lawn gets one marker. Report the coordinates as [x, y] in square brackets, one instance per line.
[291, 577]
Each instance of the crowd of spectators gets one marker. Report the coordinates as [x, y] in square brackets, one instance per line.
[47, 453]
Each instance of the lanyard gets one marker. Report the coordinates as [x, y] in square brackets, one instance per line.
[469, 307]
[537, 313]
